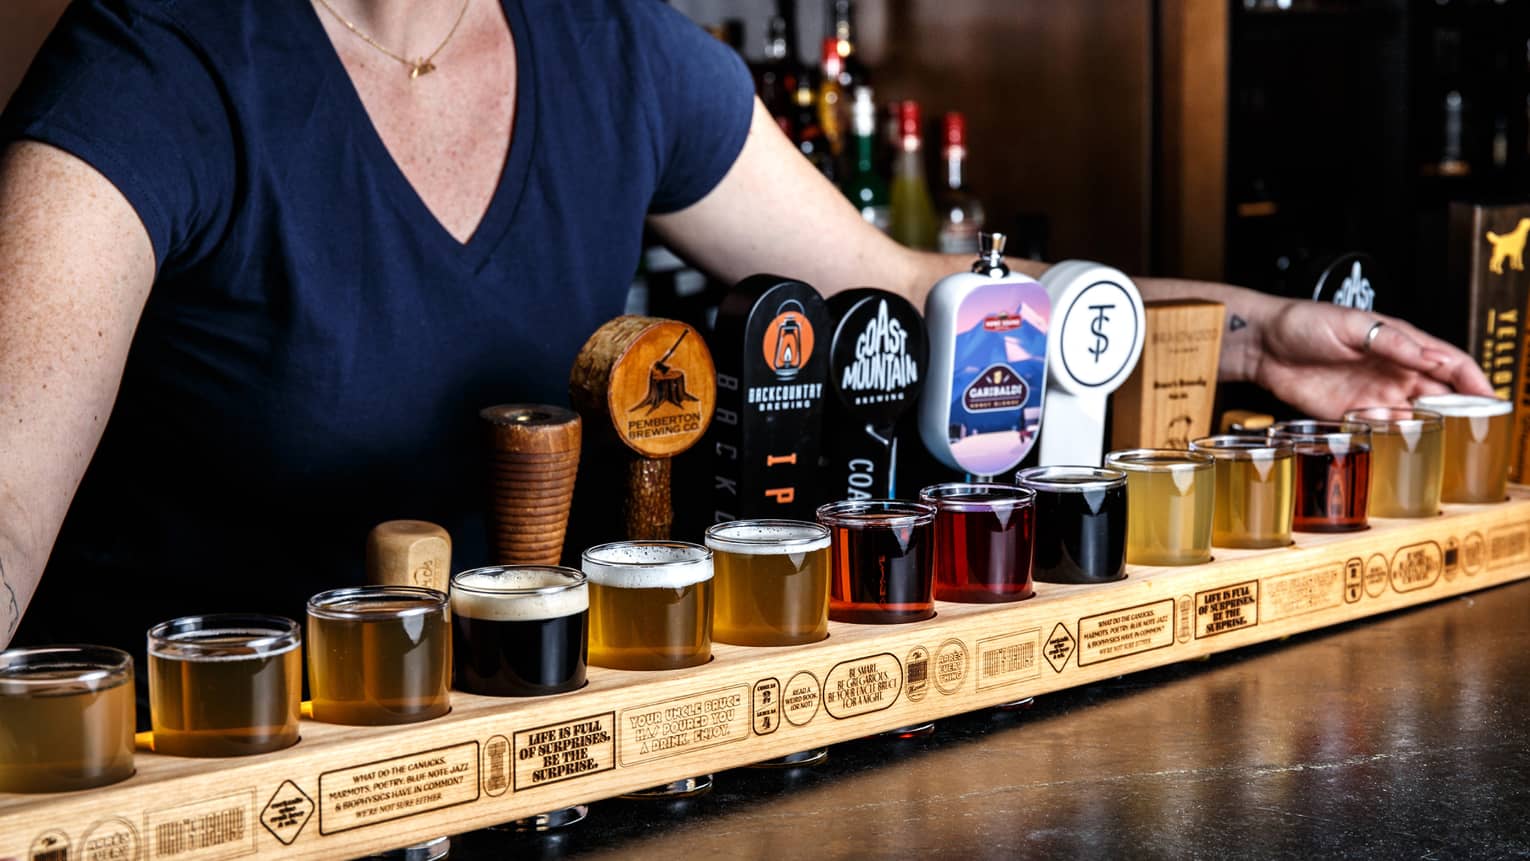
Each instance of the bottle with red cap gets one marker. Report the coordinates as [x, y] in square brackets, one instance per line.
[913, 215]
[961, 213]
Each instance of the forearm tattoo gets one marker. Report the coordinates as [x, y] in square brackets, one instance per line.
[10, 617]
[1234, 322]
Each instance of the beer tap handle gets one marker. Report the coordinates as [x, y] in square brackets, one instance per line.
[409, 553]
[535, 458]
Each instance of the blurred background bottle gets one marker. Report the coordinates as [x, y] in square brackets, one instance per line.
[961, 213]
[864, 185]
[913, 215]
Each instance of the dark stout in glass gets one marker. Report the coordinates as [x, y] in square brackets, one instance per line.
[1333, 473]
[1080, 523]
[519, 631]
[881, 568]
[983, 541]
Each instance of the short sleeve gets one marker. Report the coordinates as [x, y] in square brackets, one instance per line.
[705, 103]
[120, 86]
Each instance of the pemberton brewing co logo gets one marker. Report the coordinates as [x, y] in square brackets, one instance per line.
[787, 346]
[997, 388]
[882, 369]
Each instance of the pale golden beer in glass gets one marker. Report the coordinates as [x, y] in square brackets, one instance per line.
[1169, 500]
[771, 581]
[66, 718]
[1255, 501]
[1478, 434]
[379, 655]
[650, 604]
[1407, 460]
[225, 685]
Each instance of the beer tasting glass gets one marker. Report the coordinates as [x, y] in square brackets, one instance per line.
[1407, 460]
[772, 582]
[650, 604]
[1333, 473]
[882, 569]
[1478, 433]
[378, 655]
[1169, 496]
[66, 718]
[519, 631]
[228, 684]
[1080, 523]
[983, 541]
[1254, 478]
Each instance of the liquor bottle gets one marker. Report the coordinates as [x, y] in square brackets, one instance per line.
[961, 214]
[775, 79]
[866, 188]
[852, 72]
[913, 216]
[807, 133]
[832, 116]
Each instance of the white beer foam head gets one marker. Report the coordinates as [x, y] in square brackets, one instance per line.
[1472, 406]
[648, 565]
[510, 595]
[767, 538]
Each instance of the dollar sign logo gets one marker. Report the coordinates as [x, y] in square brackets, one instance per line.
[1101, 340]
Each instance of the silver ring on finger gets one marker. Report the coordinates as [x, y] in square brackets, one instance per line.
[1370, 335]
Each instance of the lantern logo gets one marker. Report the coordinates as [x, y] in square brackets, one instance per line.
[788, 340]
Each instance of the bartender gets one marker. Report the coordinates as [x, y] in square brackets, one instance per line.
[261, 262]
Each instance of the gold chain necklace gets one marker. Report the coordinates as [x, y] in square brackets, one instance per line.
[422, 66]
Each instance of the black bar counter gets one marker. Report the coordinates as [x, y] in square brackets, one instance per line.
[1406, 735]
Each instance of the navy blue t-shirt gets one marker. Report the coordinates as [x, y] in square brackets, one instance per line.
[316, 347]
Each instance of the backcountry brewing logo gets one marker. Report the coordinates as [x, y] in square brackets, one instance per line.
[787, 346]
[882, 368]
[997, 388]
[788, 342]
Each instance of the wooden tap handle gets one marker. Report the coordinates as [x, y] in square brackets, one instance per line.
[648, 513]
[409, 553]
[534, 461]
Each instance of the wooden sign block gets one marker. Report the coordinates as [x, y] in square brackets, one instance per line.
[652, 383]
[771, 345]
[344, 791]
[1167, 400]
[409, 553]
[1487, 265]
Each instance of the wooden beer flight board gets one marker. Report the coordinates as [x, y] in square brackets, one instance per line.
[348, 791]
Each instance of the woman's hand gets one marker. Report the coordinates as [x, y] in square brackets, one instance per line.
[1315, 357]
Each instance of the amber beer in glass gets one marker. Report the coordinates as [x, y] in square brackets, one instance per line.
[1254, 480]
[650, 604]
[66, 718]
[882, 571]
[983, 541]
[379, 655]
[1407, 460]
[1333, 473]
[1080, 523]
[519, 630]
[1478, 433]
[1169, 500]
[225, 685]
[772, 582]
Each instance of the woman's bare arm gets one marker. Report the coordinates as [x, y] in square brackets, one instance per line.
[76, 267]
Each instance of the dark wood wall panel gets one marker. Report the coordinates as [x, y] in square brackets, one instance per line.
[23, 26]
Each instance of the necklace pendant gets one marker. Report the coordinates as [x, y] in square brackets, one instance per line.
[421, 67]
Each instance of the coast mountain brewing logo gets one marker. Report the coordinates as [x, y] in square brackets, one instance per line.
[882, 369]
[997, 388]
